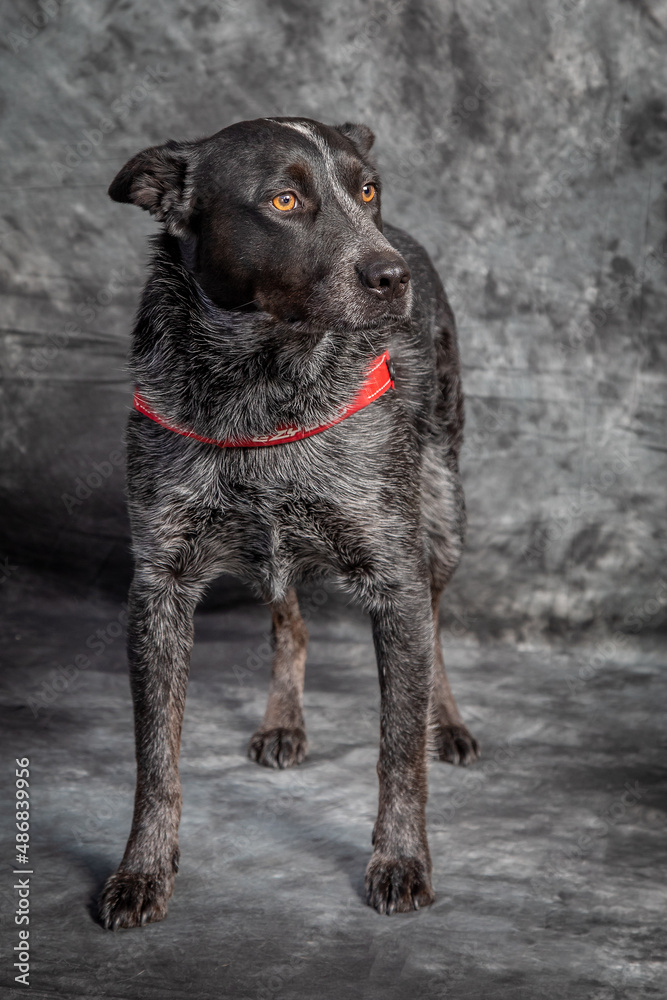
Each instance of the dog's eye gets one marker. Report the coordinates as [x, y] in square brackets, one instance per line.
[284, 202]
[368, 192]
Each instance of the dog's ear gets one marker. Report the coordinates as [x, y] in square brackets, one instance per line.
[362, 137]
[159, 179]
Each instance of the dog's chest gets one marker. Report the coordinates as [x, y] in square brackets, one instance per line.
[286, 530]
[275, 516]
[277, 526]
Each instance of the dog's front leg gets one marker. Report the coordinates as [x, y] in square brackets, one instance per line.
[160, 636]
[398, 877]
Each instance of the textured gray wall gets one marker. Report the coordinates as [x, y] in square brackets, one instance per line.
[525, 145]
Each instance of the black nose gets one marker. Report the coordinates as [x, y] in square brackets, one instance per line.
[388, 279]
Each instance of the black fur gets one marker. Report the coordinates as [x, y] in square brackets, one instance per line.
[251, 319]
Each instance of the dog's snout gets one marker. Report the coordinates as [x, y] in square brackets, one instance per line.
[387, 278]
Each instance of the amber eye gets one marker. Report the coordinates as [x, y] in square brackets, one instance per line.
[284, 202]
[368, 192]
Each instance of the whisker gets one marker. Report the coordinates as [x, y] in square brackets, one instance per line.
[242, 306]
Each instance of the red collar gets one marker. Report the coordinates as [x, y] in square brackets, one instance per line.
[379, 378]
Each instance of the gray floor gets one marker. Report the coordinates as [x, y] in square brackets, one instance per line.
[548, 855]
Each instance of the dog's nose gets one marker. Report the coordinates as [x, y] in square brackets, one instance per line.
[388, 279]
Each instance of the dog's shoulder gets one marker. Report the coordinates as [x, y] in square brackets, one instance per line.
[432, 311]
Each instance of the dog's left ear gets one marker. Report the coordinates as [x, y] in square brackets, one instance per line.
[362, 137]
[159, 179]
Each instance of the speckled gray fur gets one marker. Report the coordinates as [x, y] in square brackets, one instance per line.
[375, 502]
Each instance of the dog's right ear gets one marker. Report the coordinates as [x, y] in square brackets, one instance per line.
[159, 179]
[361, 135]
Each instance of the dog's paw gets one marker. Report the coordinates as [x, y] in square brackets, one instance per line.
[398, 885]
[278, 747]
[455, 744]
[132, 899]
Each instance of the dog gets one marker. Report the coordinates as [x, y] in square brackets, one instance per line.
[298, 415]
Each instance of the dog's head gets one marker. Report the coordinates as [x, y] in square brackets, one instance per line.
[278, 213]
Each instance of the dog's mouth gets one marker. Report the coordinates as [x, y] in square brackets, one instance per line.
[319, 318]
[338, 324]
[320, 310]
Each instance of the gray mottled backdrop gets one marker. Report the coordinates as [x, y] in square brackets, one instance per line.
[523, 142]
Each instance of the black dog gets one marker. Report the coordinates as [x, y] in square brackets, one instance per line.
[276, 304]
